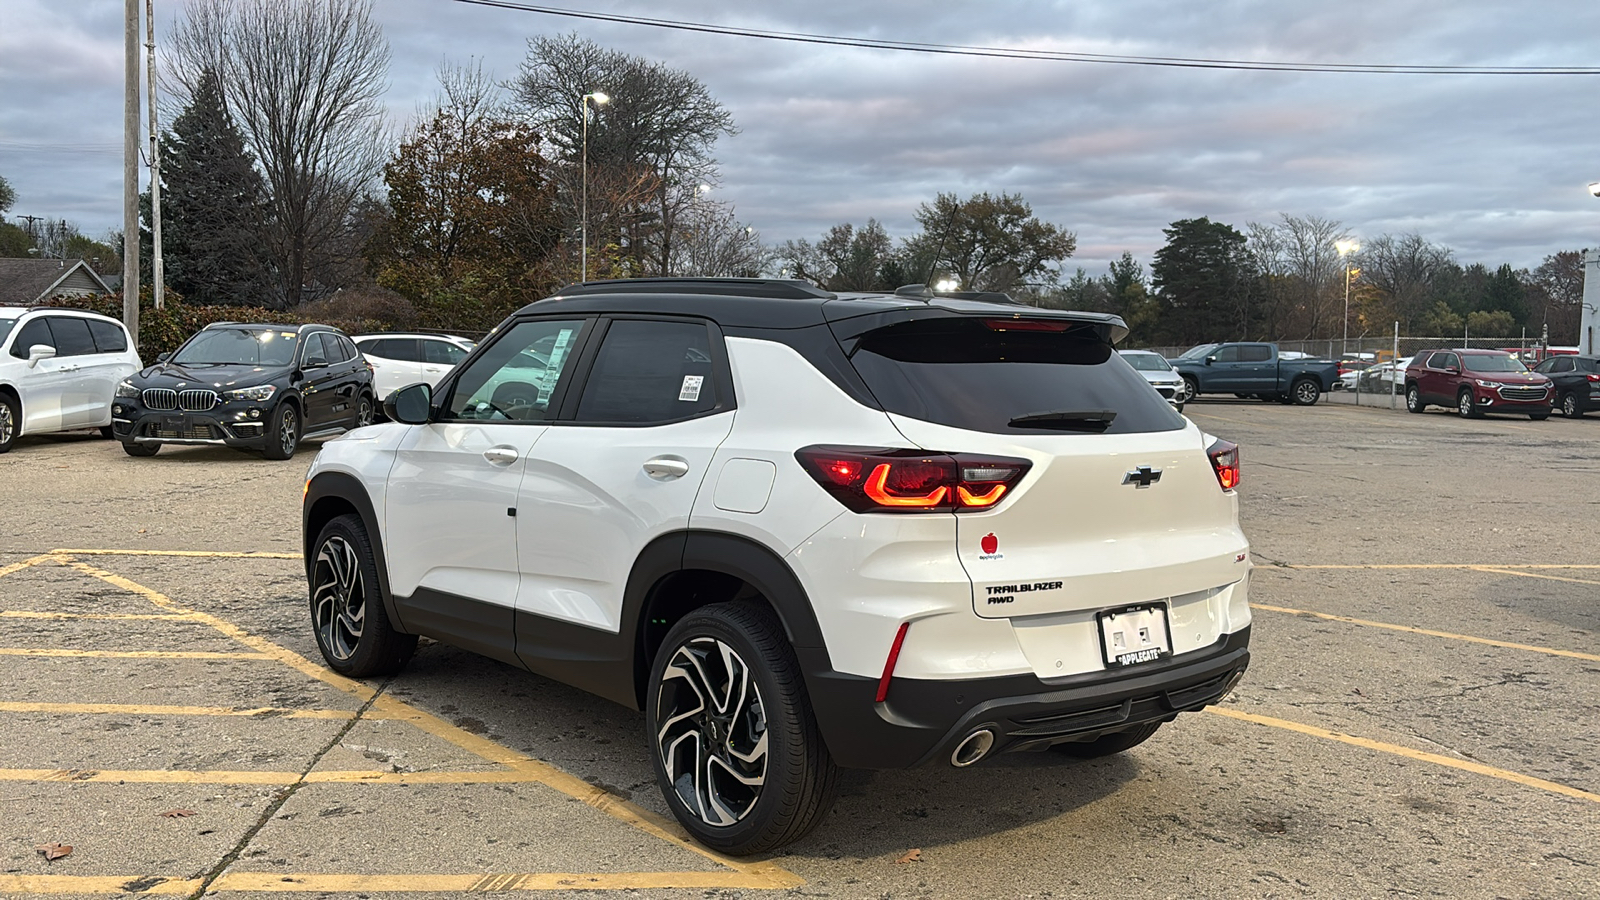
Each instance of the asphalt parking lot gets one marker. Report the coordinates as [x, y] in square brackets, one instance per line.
[1422, 717]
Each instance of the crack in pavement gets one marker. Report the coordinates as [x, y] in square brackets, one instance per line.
[284, 795]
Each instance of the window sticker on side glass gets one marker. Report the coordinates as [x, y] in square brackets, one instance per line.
[691, 388]
[553, 370]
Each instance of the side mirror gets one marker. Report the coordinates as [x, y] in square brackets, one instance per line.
[314, 362]
[38, 352]
[163, 357]
[412, 404]
[1452, 370]
[1210, 360]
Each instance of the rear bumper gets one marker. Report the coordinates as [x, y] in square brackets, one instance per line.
[924, 720]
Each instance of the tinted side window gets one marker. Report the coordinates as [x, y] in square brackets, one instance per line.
[1227, 354]
[1589, 365]
[516, 377]
[1561, 365]
[313, 351]
[36, 331]
[1255, 353]
[72, 336]
[347, 347]
[108, 338]
[977, 374]
[442, 353]
[650, 372]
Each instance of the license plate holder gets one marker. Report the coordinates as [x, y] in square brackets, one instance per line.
[175, 423]
[1132, 635]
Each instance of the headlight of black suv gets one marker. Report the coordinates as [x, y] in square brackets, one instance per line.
[260, 393]
[126, 389]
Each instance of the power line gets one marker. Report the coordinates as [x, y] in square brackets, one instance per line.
[1038, 55]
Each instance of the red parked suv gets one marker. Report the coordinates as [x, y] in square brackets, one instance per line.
[1476, 382]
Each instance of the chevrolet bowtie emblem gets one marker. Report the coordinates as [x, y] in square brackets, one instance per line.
[1143, 477]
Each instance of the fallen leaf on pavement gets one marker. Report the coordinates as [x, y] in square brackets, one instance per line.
[53, 851]
[911, 856]
[177, 814]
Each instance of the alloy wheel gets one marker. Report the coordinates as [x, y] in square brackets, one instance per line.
[1569, 408]
[288, 430]
[338, 598]
[713, 736]
[1464, 405]
[7, 425]
[1306, 393]
[363, 411]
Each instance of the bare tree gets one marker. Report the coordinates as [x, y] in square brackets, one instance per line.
[649, 147]
[1403, 270]
[305, 80]
[712, 242]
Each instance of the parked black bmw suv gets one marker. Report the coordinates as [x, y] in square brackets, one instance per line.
[255, 387]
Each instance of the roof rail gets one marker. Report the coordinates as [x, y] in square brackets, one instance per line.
[778, 289]
[924, 292]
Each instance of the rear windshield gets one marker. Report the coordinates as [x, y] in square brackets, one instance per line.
[985, 375]
[1147, 362]
[1493, 364]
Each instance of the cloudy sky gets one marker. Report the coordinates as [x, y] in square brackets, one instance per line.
[1492, 166]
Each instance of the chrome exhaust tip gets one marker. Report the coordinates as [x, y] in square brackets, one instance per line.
[973, 748]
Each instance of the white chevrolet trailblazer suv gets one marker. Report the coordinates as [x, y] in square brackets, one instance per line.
[799, 530]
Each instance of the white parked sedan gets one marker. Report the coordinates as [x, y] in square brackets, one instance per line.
[59, 369]
[1156, 370]
[401, 359]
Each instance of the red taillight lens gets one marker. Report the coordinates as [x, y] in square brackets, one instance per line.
[1593, 377]
[888, 664]
[1225, 460]
[867, 479]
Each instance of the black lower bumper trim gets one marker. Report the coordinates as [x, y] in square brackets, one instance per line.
[925, 720]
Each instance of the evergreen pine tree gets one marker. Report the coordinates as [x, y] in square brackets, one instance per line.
[212, 205]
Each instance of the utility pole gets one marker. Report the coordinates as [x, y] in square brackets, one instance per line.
[130, 171]
[156, 266]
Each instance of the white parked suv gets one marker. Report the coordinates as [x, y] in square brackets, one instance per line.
[59, 369]
[799, 530]
[401, 359]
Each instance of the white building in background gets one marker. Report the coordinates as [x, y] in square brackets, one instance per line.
[1589, 324]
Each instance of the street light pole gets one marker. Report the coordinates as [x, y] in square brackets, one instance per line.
[1346, 248]
[600, 99]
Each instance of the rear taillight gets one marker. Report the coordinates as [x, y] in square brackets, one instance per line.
[867, 479]
[1593, 377]
[1225, 460]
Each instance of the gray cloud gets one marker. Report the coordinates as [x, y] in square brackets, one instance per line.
[1493, 167]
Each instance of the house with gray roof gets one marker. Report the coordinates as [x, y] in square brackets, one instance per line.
[29, 282]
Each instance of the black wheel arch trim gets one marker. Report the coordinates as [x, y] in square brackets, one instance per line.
[349, 489]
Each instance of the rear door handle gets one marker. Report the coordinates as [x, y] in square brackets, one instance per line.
[500, 456]
[666, 468]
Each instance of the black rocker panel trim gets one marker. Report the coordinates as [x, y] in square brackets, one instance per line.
[331, 488]
[486, 629]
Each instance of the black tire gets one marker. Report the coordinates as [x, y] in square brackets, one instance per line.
[797, 777]
[283, 432]
[1305, 392]
[1465, 408]
[1414, 402]
[1570, 407]
[10, 421]
[1107, 744]
[142, 451]
[107, 433]
[366, 411]
[1191, 387]
[1539, 416]
[1244, 396]
[347, 615]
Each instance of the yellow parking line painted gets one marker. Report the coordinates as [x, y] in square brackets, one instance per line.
[221, 554]
[1498, 570]
[19, 566]
[1509, 645]
[1510, 568]
[274, 882]
[138, 617]
[150, 776]
[140, 709]
[128, 654]
[145, 885]
[526, 767]
[481, 776]
[1409, 753]
[303, 882]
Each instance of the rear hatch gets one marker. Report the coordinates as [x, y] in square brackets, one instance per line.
[1120, 504]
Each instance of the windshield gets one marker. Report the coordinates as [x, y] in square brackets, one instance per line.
[1493, 364]
[239, 346]
[1147, 362]
[5, 328]
[1199, 352]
